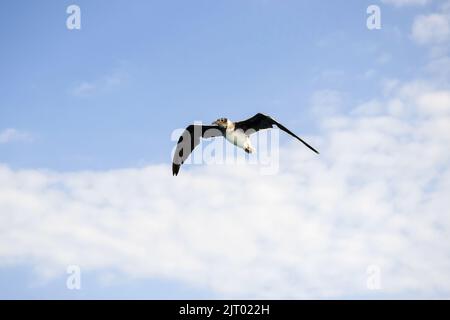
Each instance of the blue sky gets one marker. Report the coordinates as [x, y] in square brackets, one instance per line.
[79, 106]
[176, 62]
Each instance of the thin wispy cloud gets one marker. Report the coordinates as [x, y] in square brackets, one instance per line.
[376, 198]
[431, 29]
[102, 85]
[406, 3]
[84, 89]
[327, 102]
[13, 135]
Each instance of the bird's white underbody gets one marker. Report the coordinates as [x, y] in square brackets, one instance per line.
[240, 139]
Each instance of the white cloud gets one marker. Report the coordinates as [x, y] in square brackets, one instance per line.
[384, 58]
[369, 108]
[370, 73]
[437, 102]
[14, 135]
[439, 69]
[405, 3]
[389, 85]
[84, 89]
[326, 102]
[431, 29]
[377, 195]
[103, 84]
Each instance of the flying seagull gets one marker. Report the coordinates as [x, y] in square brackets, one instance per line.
[238, 133]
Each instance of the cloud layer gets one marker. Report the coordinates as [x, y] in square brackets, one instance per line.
[13, 135]
[101, 85]
[377, 195]
[375, 199]
[405, 3]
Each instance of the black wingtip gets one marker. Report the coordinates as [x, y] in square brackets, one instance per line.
[307, 145]
[175, 169]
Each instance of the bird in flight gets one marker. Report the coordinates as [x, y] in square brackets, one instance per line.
[238, 133]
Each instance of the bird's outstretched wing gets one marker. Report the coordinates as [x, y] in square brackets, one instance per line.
[261, 121]
[189, 140]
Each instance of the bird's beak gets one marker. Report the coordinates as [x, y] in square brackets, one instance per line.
[215, 122]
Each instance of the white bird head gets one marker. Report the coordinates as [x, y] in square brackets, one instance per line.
[222, 122]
